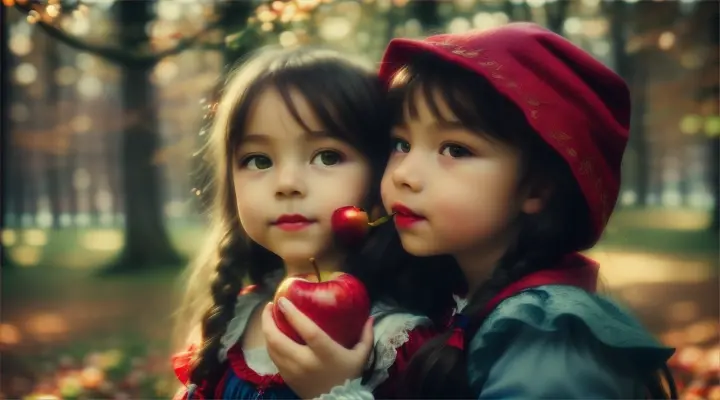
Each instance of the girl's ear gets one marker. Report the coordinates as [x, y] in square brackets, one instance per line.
[537, 198]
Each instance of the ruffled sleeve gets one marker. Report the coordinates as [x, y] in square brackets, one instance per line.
[561, 342]
[182, 366]
[398, 335]
[388, 388]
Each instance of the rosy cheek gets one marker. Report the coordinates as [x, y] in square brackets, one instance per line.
[451, 211]
[458, 217]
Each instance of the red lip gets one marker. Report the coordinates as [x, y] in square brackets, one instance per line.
[291, 219]
[405, 217]
[292, 222]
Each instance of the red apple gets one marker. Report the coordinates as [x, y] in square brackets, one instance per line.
[337, 302]
[350, 225]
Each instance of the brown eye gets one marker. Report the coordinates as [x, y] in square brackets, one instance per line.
[327, 158]
[256, 162]
[455, 151]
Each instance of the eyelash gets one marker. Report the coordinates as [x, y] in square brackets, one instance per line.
[339, 154]
[246, 160]
[396, 141]
[464, 150]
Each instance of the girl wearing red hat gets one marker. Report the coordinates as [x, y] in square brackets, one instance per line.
[506, 156]
[505, 165]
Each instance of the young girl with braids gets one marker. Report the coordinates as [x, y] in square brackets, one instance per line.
[507, 157]
[296, 133]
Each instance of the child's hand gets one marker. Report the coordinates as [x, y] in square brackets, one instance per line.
[313, 369]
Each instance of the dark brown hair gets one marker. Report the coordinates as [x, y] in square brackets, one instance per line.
[348, 99]
[438, 370]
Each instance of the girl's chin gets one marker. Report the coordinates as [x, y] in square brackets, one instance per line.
[418, 247]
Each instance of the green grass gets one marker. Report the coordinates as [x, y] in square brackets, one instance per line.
[662, 231]
[662, 241]
[82, 249]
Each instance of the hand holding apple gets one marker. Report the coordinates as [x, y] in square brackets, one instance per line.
[337, 302]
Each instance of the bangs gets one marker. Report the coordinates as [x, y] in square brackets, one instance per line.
[471, 99]
[345, 98]
[326, 103]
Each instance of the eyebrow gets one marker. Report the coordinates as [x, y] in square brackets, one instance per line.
[262, 138]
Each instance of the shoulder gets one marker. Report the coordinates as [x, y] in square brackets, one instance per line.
[577, 332]
[396, 333]
[559, 364]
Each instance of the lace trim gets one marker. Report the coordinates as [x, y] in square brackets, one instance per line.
[244, 308]
[391, 333]
[460, 303]
[350, 390]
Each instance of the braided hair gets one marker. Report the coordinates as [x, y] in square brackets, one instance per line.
[232, 266]
[351, 106]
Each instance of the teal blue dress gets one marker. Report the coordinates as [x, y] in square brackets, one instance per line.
[562, 342]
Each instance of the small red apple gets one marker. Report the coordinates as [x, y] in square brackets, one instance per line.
[337, 302]
[350, 225]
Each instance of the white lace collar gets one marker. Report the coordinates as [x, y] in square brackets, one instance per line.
[257, 359]
[460, 303]
[244, 307]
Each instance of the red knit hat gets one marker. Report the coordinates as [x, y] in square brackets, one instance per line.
[577, 105]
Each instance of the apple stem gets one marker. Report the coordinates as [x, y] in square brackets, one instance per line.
[315, 267]
[381, 220]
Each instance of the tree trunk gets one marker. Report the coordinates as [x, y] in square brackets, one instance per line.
[147, 244]
[631, 68]
[234, 15]
[392, 20]
[71, 164]
[713, 92]
[8, 179]
[427, 13]
[638, 138]
[556, 14]
[234, 19]
[684, 177]
[54, 161]
[715, 183]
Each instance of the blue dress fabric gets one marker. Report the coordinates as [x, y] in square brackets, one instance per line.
[562, 342]
[236, 387]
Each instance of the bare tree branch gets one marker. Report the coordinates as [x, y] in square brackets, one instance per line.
[115, 54]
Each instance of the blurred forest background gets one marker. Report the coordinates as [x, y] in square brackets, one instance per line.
[105, 102]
